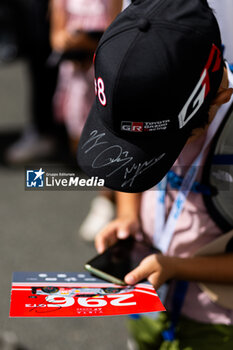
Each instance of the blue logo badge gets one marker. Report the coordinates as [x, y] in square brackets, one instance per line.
[35, 178]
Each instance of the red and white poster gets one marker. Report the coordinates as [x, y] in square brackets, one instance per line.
[36, 294]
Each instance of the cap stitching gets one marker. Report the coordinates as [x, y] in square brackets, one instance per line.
[178, 27]
[140, 34]
[162, 24]
[157, 6]
[117, 79]
[115, 34]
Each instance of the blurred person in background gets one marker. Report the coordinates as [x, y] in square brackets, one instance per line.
[8, 339]
[76, 27]
[10, 32]
[224, 10]
[37, 139]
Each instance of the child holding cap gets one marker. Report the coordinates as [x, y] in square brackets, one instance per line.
[199, 317]
[160, 103]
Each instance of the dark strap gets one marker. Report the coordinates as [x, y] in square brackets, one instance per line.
[224, 159]
[180, 291]
[175, 182]
[213, 160]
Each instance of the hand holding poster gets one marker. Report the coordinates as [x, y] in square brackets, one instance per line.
[77, 295]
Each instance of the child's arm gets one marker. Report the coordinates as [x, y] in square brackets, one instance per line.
[160, 268]
[61, 39]
[115, 7]
[126, 224]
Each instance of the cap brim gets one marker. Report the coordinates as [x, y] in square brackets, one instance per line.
[132, 165]
[221, 294]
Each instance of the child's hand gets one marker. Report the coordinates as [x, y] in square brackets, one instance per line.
[120, 228]
[156, 268]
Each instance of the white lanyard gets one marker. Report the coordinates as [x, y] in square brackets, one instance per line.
[164, 230]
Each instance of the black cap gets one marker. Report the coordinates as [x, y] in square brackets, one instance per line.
[157, 68]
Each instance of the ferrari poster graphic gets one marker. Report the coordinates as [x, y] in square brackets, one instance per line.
[35, 294]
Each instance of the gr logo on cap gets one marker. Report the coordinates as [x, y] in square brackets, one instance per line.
[158, 67]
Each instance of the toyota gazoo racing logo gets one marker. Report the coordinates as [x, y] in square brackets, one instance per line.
[202, 88]
[132, 126]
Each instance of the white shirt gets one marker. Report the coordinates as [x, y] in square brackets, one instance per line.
[126, 3]
[223, 10]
